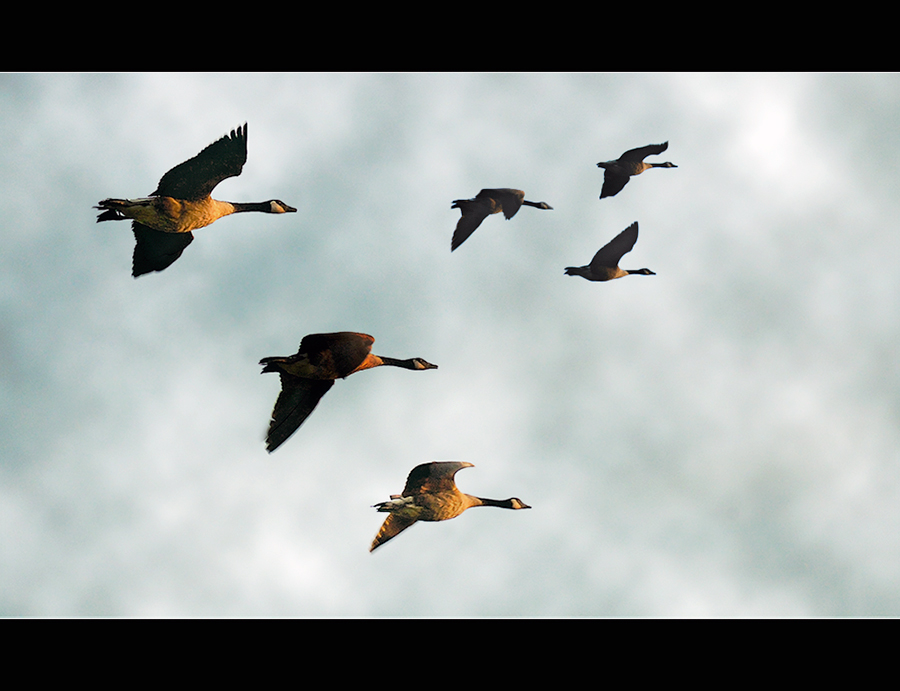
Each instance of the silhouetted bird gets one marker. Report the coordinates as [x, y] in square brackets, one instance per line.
[628, 164]
[487, 202]
[605, 264]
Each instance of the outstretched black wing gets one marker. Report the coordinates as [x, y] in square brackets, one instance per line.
[639, 154]
[473, 213]
[196, 177]
[613, 183]
[298, 398]
[154, 250]
[610, 254]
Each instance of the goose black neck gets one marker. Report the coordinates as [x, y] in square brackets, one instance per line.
[240, 207]
[407, 364]
[501, 503]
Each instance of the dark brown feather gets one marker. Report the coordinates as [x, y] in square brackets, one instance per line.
[198, 176]
[298, 398]
[610, 254]
[154, 250]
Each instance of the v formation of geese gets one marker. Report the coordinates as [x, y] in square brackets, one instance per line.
[163, 226]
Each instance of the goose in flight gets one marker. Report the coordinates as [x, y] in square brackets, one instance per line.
[162, 223]
[630, 163]
[431, 495]
[605, 264]
[485, 203]
[307, 375]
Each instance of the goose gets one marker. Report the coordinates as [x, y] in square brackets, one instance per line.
[307, 375]
[485, 203]
[431, 495]
[628, 164]
[605, 264]
[162, 223]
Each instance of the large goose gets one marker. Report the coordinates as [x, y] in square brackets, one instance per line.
[162, 223]
[485, 203]
[431, 495]
[605, 264]
[307, 375]
[630, 163]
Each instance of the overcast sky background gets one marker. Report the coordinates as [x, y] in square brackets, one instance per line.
[720, 439]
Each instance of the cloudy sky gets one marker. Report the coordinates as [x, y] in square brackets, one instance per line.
[718, 440]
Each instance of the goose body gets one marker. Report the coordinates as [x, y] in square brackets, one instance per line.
[605, 264]
[485, 203]
[431, 495]
[630, 163]
[163, 222]
[307, 375]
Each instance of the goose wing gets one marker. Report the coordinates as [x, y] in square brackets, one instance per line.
[465, 227]
[639, 154]
[429, 478]
[474, 211]
[196, 177]
[613, 183]
[298, 398]
[155, 250]
[393, 525]
[610, 254]
[338, 353]
[510, 200]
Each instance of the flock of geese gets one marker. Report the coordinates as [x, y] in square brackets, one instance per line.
[163, 223]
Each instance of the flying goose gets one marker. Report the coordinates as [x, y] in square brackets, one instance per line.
[162, 223]
[431, 495]
[307, 376]
[605, 264]
[485, 203]
[628, 164]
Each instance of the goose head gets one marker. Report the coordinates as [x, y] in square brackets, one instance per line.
[276, 206]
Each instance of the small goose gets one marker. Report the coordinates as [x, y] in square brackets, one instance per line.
[162, 223]
[487, 202]
[307, 376]
[628, 164]
[431, 495]
[605, 264]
